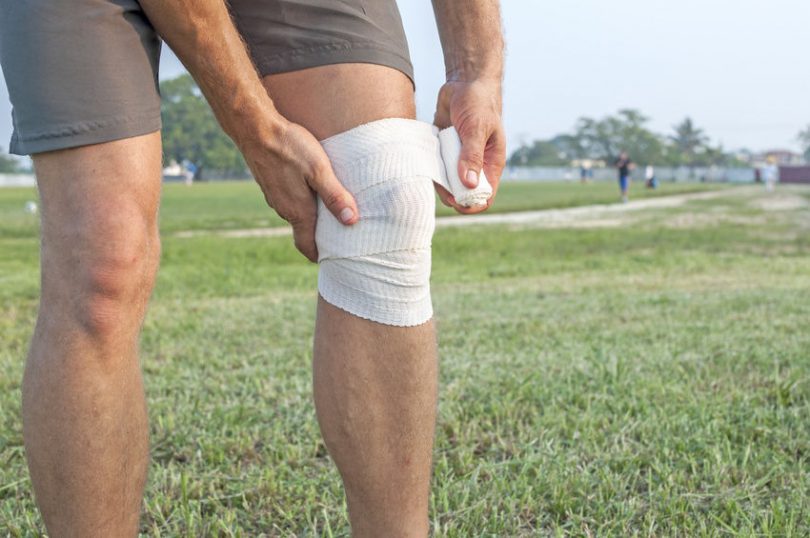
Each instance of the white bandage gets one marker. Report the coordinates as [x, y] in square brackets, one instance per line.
[450, 145]
[379, 268]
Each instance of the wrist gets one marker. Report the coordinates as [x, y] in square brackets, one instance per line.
[472, 74]
[475, 73]
[469, 64]
[255, 124]
[483, 87]
[493, 84]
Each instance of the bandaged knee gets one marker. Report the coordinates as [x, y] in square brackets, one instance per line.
[379, 268]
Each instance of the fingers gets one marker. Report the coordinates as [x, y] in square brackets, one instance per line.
[441, 118]
[471, 160]
[291, 173]
[337, 199]
[304, 236]
[495, 158]
[445, 197]
[448, 200]
[304, 150]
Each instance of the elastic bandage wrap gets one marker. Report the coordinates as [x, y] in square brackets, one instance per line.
[379, 268]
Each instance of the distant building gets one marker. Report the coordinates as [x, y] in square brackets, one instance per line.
[591, 163]
[794, 174]
[745, 155]
[782, 157]
[179, 171]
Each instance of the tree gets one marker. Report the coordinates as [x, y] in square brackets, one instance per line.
[689, 142]
[190, 130]
[804, 140]
[605, 139]
[8, 164]
[540, 153]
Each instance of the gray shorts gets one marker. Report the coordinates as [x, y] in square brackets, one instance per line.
[83, 72]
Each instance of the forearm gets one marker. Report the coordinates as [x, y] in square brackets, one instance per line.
[203, 36]
[471, 36]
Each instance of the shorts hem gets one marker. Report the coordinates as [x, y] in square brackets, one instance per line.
[333, 53]
[84, 133]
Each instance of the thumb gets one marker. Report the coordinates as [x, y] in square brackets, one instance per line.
[471, 159]
[441, 118]
[337, 199]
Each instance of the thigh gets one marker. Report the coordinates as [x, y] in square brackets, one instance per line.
[78, 72]
[330, 99]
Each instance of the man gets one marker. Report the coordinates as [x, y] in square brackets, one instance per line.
[585, 171]
[82, 77]
[624, 165]
[649, 177]
[770, 173]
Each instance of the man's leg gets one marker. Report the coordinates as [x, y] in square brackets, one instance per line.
[375, 392]
[84, 414]
[375, 385]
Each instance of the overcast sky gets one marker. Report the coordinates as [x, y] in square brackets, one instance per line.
[739, 68]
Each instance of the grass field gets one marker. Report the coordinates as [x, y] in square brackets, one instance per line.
[239, 204]
[644, 379]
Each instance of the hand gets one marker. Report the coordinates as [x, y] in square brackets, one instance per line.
[474, 109]
[291, 167]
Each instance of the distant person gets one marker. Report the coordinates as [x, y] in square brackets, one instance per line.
[770, 173]
[585, 171]
[624, 165]
[189, 171]
[649, 177]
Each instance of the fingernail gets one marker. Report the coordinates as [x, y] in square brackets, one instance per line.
[472, 177]
[346, 215]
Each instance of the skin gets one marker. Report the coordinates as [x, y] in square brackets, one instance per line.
[377, 413]
[84, 414]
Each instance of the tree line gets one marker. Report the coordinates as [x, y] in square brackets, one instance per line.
[604, 139]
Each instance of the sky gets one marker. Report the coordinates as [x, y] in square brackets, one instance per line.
[738, 68]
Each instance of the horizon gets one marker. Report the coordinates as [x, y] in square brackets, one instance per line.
[745, 62]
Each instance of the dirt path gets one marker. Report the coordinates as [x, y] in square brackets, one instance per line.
[600, 215]
[590, 216]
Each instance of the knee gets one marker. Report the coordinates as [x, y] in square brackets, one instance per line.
[379, 268]
[116, 286]
[111, 277]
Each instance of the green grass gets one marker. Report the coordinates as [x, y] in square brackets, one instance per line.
[651, 379]
[240, 204]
